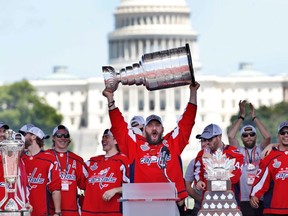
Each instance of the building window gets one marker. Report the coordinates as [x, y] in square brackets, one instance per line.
[101, 104]
[151, 101]
[162, 100]
[59, 105]
[126, 100]
[140, 100]
[72, 120]
[72, 106]
[177, 99]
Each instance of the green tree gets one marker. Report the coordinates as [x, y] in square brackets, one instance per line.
[270, 116]
[20, 104]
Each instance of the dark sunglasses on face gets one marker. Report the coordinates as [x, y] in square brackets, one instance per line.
[59, 135]
[251, 134]
[283, 132]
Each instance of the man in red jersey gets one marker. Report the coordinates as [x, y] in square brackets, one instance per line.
[272, 177]
[43, 174]
[107, 173]
[212, 136]
[154, 157]
[72, 170]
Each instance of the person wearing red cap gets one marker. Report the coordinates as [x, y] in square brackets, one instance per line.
[155, 157]
[73, 172]
[106, 175]
[272, 177]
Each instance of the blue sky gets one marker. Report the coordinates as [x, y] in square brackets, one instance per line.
[37, 35]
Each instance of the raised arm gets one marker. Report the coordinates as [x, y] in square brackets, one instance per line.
[193, 93]
[236, 125]
[264, 132]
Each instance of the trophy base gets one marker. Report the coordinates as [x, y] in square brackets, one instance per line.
[15, 213]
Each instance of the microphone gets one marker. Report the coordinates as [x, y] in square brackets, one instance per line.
[164, 155]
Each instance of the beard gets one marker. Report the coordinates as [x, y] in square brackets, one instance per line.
[153, 142]
[250, 145]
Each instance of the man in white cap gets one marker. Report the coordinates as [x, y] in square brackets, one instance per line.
[137, 124]
[73, 171]
[272, 177]
[43, 174]
[251, 153]
[155, 157]
[212, 135]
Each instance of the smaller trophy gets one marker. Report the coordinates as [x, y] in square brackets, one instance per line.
[13, 203]
[157, 70]
[219, 199]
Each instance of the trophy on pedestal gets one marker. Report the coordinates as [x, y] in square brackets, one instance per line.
[219, 199]
[13, 203]
[157, 70]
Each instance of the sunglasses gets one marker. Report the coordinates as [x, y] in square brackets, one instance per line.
[251, 134]
[283, 132]
[59, 135]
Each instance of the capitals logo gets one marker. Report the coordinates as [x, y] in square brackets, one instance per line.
[34, 180]
[102, 178]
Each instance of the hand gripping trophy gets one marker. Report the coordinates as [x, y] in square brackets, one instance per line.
[14, 201]
[157, 70]
[219, 199]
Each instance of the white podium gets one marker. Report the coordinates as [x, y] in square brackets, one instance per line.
[151, 199]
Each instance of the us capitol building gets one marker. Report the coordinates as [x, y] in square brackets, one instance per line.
[144, 26]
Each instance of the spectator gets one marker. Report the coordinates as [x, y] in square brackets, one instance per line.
[43, 174]
[107, 173]
[73, 172]
[251, 153]
[189, 179]
[271, 179]
[137, 124]
[212, 135]
[154, 157]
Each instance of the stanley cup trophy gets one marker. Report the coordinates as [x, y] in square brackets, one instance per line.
[12, 204]
[219, 199]
[157, 70]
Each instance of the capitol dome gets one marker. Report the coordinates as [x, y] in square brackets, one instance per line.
[145, 26]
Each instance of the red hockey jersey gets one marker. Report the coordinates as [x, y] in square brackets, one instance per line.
[231, 152]
[73, 173]
[43, 178]
[104, 173]
[271, 181]
[146, 159]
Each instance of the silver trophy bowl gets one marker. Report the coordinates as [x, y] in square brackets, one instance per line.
[157, 70]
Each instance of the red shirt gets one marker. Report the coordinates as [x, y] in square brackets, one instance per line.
[73, 173]
[231, 152]
[271, 181]
[104, 173]
[145, 158]
[43, 178]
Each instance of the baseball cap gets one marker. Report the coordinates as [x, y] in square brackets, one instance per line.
[244, 128]
[282, 125]
[58, 128]
[107, 132]
[2, 124]
[153, 118]
[25, 128]
[198, 136]
[16, 136]
[137, 120]
[210, 131]
[36, 131]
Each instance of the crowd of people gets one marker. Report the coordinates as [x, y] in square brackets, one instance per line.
[57, 181]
